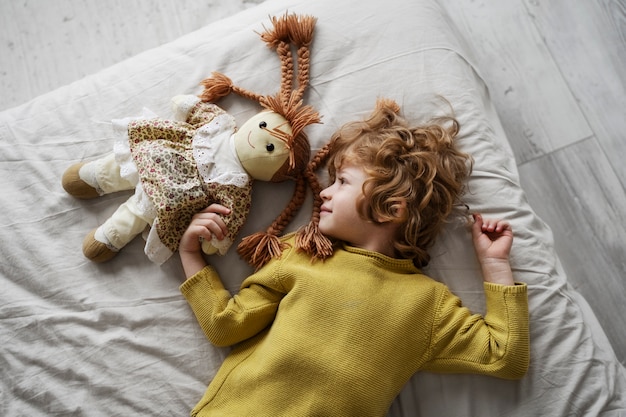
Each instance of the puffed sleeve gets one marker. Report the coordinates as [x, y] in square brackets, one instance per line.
[226, 319]
[496, 345]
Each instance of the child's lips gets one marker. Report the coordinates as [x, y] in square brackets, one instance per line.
[325, 210]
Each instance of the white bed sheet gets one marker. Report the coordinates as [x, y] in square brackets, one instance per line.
[77, 338]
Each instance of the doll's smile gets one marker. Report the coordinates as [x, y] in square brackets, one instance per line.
[250, 143]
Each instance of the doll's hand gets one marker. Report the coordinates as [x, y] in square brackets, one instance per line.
[204, 225]
[492, 242]
[182, 105]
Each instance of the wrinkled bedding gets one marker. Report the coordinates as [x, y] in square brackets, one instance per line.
[78, 338]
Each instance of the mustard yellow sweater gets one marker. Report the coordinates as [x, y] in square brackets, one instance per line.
[341, 337]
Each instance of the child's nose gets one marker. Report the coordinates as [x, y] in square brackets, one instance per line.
[324, 194]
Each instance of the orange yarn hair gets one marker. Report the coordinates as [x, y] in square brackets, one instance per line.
[287, 31]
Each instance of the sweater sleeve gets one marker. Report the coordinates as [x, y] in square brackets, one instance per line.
[496, 345]
[227, 319]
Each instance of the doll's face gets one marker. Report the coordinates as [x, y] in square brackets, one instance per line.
[260, 153]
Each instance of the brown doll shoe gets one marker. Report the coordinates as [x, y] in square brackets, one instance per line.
[95, 250]
[75, 186]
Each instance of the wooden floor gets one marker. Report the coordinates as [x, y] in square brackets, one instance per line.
[557, 74]
[556, 70]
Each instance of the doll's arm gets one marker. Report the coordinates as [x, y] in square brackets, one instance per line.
[182, 105]
[188, 108]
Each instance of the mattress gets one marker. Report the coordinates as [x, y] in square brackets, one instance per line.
[79, 338]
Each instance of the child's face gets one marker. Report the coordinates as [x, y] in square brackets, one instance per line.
[339, 217]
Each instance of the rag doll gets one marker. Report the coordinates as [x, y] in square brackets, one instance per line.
[178, 167]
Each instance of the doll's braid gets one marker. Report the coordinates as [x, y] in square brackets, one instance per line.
[309, 238]
[299, 195]
[301, 36]
[278, 38]
[259, 248]
[303, 71]
[296, 30]
[286, 60]
[219, 85]
[286, 31]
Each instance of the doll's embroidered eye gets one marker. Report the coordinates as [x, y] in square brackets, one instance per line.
[269, 147]
[262, 125]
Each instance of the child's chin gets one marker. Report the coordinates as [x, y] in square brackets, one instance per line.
[327, 231]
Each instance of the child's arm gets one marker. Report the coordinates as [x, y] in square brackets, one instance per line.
[204, 225]
[498, 343]
[225, 319]
[492, 243]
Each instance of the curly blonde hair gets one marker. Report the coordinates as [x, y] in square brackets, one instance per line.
[415, 167]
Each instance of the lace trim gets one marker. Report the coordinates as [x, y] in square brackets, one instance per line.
[88, 174]
[143, 203]
[156, 251]
[121, 147]
[213, 150]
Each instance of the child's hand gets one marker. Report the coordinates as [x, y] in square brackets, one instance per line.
[204, 224]
[492, 243]
[492, 238]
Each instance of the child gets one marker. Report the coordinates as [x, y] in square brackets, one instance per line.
[341, 336]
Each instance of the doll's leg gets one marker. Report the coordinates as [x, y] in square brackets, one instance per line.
[95, 178]
[104, 242]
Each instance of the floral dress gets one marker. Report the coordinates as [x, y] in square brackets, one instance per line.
[180, 168]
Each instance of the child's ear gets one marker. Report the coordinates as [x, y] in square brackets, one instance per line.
[397, 213]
